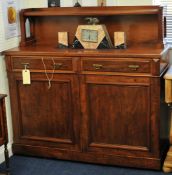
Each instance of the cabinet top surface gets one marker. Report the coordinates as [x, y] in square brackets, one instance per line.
[151, 52]
[69, 11]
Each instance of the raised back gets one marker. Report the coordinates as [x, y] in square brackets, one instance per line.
[142, 24]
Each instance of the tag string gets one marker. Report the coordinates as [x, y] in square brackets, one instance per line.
[46, 74]
[25, 68]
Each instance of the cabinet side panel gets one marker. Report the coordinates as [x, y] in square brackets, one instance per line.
[1, 123]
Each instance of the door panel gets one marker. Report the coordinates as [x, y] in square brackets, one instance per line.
[118, 114]
[49, 115]
[115, 108]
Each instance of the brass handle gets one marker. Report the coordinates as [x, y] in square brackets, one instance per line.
[26, 65]
[98, 66]
[134, 67]
[57, 65]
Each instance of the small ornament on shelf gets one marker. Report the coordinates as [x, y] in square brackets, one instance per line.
[101, 3]
[77, 4]
[63, 40]
[53, 3]
[119, 40]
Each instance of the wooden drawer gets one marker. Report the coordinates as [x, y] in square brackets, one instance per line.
[117, 65]
[36, 63]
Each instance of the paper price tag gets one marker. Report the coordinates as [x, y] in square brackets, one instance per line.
[26, 76]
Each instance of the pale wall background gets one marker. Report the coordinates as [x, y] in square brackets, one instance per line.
[15, 41]
[69, 3]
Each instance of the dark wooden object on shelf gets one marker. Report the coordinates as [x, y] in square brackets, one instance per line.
[103, 106]
[4, 133]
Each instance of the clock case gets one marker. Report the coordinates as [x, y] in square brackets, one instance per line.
[104, 41]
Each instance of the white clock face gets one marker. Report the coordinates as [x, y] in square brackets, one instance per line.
[89, 35]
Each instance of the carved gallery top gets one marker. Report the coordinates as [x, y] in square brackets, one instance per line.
[118, 27]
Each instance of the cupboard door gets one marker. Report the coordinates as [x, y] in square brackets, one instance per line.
[118, 118]
[45, 116]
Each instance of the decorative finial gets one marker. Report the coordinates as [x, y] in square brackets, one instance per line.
[77, 4]
[92, 21]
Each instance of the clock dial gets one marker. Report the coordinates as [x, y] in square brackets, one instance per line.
[89, 35]
[94, 36]
[85, 35]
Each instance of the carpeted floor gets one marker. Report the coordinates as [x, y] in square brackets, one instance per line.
[21, 165]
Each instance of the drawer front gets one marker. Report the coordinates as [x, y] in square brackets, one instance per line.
[121, 65]
[37, 63]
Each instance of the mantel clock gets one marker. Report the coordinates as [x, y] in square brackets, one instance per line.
[92, 36]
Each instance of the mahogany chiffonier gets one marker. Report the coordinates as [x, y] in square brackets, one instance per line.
[93, 105]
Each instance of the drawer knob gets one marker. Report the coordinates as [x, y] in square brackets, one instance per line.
[26, 65]
[134, 67]
[57, 65]
[98, 66]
